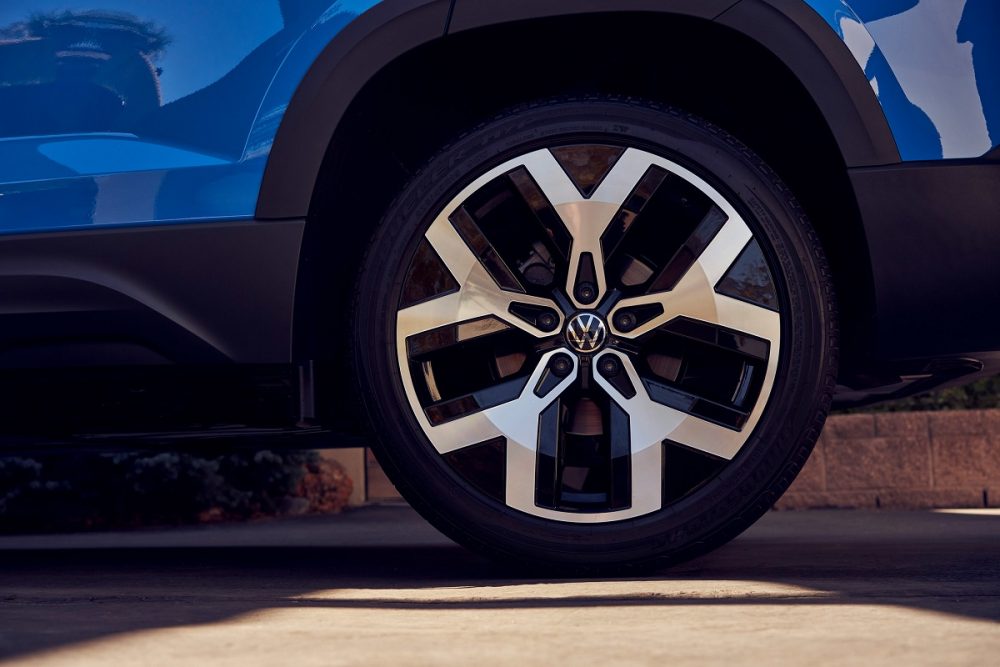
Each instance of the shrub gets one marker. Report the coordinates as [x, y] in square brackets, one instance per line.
[81, 491]
[979, 395]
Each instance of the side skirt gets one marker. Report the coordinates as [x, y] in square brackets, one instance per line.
[165, 407]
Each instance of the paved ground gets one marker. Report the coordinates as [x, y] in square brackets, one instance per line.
[378, 586]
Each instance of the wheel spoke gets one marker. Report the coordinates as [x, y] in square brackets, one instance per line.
[748, 318]
[705, 305]
[586, 220]
[550, 177]
[462, 432]
[695, 297]
[516, 420]
[635, 468]
[723, 249]
[623, 177]
[650, 423]
[479, 295]
[433, 314]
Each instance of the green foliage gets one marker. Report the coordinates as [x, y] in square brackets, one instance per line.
[78, 491]
[979, 395]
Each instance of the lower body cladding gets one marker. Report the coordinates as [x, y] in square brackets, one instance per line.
[161, 333]
[933, 234]
[149, 333]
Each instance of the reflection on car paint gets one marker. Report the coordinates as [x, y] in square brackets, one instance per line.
[183, 99]
[935, 66]
[180, 101]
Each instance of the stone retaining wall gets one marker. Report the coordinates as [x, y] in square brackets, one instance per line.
[894, 460]
[903, 460]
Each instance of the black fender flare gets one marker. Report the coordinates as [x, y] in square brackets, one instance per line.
[365, 45]
[789, 29]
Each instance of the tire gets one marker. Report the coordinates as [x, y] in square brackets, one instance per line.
[594, 334]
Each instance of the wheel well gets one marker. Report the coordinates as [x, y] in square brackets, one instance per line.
[427, 97]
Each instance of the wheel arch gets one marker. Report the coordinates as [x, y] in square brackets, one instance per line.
[320, 102]
[346, 148]
[789, 29]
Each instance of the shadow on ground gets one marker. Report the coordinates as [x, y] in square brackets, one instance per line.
[57, 591]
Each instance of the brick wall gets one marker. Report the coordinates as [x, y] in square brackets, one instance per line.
[895, 460]
[903, 460]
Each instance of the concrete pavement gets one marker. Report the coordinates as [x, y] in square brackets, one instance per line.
[378, 586]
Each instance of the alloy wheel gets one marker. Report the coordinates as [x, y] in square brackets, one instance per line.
[587, 332]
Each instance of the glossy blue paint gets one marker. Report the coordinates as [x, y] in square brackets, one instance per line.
[935, 66]
[147, 112]
[116, 112]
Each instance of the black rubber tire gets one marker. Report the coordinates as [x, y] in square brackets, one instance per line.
[721, 508]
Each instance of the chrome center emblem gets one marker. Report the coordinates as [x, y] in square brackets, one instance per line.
[586, 332]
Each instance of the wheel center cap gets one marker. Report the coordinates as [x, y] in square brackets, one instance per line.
[586, 332]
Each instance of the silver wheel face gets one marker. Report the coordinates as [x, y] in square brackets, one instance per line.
[580, 324]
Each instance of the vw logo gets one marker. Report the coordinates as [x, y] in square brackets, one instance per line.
[586, 332]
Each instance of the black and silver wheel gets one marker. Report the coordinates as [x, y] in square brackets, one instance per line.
[594, 333]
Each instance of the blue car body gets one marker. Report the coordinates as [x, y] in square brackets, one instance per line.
[178, 100]
[934, 66]
[182, 101]
[123, 119]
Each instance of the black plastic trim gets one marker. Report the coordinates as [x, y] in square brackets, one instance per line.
[363, 47]
[222, 440]
[215, 292]
[895, 380]
[933, 232]
[471, 14]
[787, 28]
[151, 404]
[803, 41]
